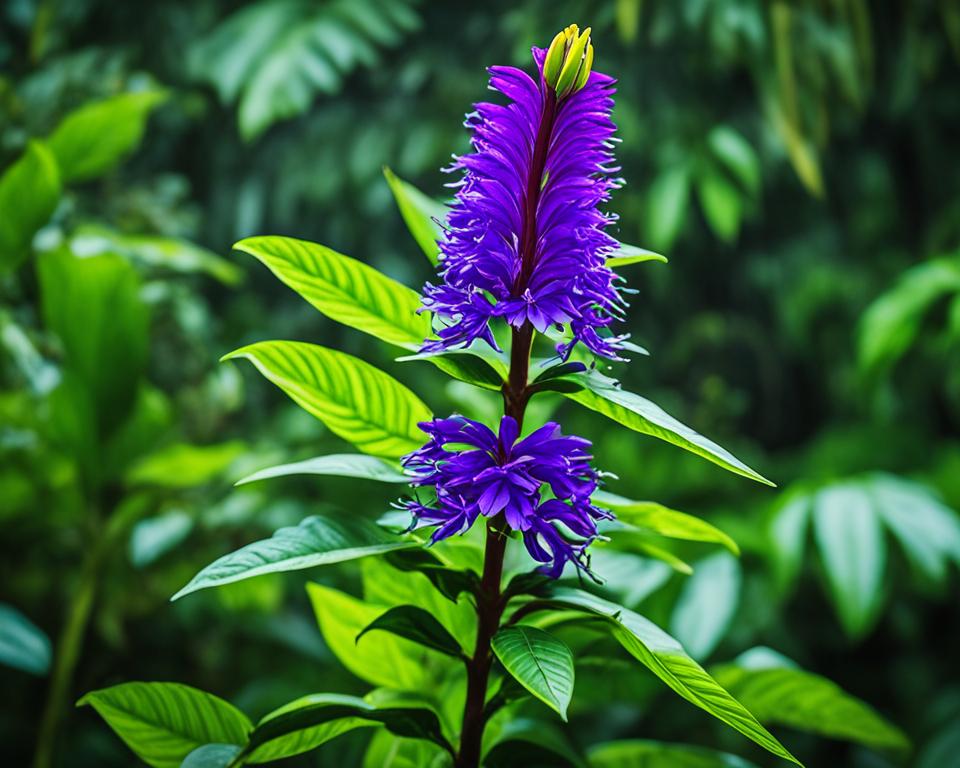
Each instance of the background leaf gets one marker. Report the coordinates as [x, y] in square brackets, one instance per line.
[339, 465]
[420, 214]
[707, 603]
[23, 645]
[29, 193]
[639, 753]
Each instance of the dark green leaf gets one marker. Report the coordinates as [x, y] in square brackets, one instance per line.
[540, 662]
[316, 541]
[450, 582]
[164, 722]
[311, 721]
[358, 402]
[604, 395]
[737, 156]
[418, 625]
[94, 138]
[532, 744]
[465, 365]
[722, 205]
[29, 192]
[339, 465]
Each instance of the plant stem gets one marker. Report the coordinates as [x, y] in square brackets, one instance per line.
[67, 652]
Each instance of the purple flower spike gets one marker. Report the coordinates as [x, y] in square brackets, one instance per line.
[525, 239]
[541, 484]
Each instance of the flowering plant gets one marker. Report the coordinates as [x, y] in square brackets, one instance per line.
[460, 630]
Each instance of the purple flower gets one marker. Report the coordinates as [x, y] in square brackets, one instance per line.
[525, 239]
[541, 484]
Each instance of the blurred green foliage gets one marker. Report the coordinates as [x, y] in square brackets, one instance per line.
[793, 159]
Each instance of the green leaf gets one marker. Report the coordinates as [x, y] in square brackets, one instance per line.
[344, 289]
[316, 541]
[465, 365]
[94, 138]
[418, 625]
[311, 721]
[449, 582]
[722, 205]
[29, 193]
[707, 604]
[389, 751]
[182, 465]
[853, 551]
[164, 722]
[153, 537]
[926, 528]
[420, 213]
[94, 307]
[663, 521]
[667, 202]
[808, 702]
[391, 661]
[540, 662]
[737, 156]
[525, 743]
[640, 753]
[631, 254]
[358, 402]
[604, 395]
[788, 536]
[666, 658]
[338, 465]
[168, 253]
[23, 645]
[212, 756]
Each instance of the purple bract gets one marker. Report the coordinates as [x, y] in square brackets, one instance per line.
[541, 484]
[525, 239]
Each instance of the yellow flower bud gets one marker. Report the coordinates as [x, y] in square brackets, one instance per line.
[568, 61]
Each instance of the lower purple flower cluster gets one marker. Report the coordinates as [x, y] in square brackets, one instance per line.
[541, 484]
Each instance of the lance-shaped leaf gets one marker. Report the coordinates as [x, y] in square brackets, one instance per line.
[663, 521]
[540, 662]
[420, 213]
[358, 402]
[631, 254]
[29, 192]
[667, 659]
[418, 625]
[472, 366]
[343, 289]
[523, 743]
[164, 722]
[311, 721]
[604, 395]
[94, 138]
[316, 541]
[785, 695]
[448, 581]
[641, 753]
[23, 645]
[337, 465]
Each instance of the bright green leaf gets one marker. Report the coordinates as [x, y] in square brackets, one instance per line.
[604, 395]
[344, 289]
[182, 465]
[420, 213]
[631, 254]
[667, 201]
[358, 402]
[164, 722]
[94, 138]
[540, 662]
[29, 192]
[663, 521]
[666, 658]
[338, 465]
[316, 541]
[722, 205]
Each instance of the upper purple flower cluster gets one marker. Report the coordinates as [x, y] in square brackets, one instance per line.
[538, 482]
[525, 238]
